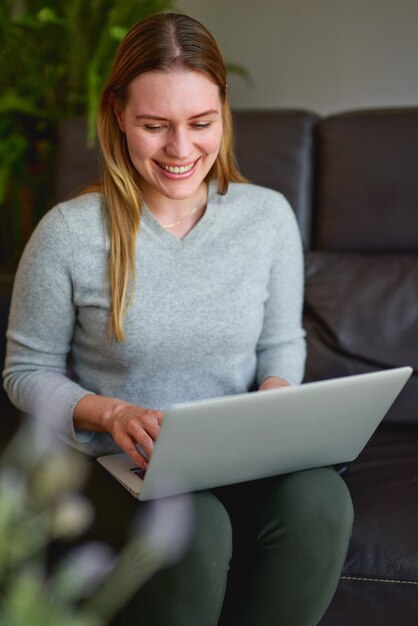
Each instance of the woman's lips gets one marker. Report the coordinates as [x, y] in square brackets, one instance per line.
[176, 172]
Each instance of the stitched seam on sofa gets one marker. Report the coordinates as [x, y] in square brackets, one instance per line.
[380, 580]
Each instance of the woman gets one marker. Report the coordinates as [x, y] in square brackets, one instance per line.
[176, 280]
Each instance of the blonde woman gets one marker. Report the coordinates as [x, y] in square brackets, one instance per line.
[176, 280]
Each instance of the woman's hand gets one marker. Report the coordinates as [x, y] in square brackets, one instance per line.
[129, 425]
[273, 382]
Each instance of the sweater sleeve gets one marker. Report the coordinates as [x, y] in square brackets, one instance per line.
[281, 349]
[40, 330]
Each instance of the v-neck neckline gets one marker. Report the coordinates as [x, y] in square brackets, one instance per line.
[195, 233]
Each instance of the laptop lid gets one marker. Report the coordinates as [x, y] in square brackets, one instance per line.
[254, 435]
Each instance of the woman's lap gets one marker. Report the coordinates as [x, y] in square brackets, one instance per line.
[275, 521]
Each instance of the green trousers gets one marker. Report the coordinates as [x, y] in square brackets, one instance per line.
[263, 553]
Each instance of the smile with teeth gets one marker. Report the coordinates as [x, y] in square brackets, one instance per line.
[177, 169]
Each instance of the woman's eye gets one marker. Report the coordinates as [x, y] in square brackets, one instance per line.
[153, 128]
[201, 125]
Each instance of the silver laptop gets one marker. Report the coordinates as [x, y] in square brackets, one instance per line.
[254, 435]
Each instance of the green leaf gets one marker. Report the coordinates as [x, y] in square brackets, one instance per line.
[12, 101]
[47, 15]
[118, 32]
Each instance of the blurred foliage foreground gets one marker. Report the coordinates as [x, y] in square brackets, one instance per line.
[41, 503]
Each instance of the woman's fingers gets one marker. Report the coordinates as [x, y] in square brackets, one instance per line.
[151, 422]
[160, 416]
[130, 448]
[136, 426]
[140, 436]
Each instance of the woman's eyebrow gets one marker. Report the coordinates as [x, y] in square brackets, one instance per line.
[145, 116]
[210, 112]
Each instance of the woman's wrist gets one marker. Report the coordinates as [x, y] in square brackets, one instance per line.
[94, 412]
[273, 382]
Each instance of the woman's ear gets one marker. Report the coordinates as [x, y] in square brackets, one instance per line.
[119, 114]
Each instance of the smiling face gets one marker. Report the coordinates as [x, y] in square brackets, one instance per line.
[173, 126]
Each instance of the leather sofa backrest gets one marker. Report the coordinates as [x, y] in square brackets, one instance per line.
[275, 149]
[78, 164]
[367, 186]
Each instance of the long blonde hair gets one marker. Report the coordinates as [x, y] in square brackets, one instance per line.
[161, 42]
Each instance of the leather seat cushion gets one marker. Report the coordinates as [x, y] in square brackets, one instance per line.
[383, 482]
[380, 575]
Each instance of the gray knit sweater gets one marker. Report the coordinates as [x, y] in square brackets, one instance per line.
[213, 313]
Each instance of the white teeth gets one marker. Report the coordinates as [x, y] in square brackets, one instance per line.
[176, 170]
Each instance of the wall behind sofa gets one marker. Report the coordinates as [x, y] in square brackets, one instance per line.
[324, 55]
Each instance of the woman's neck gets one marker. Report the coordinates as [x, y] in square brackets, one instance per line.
[177, 216]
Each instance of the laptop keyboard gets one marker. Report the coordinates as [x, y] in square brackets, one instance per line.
[138, 472]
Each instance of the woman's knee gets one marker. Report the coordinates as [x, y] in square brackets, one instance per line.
[211, 526]
[316, 498]
[195, 527]
[330, 499]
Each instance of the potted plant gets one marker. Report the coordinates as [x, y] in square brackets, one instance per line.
[54, 58]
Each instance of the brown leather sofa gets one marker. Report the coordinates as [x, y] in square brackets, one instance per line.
[352, 180]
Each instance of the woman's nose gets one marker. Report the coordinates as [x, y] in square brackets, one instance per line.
[179, 144]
